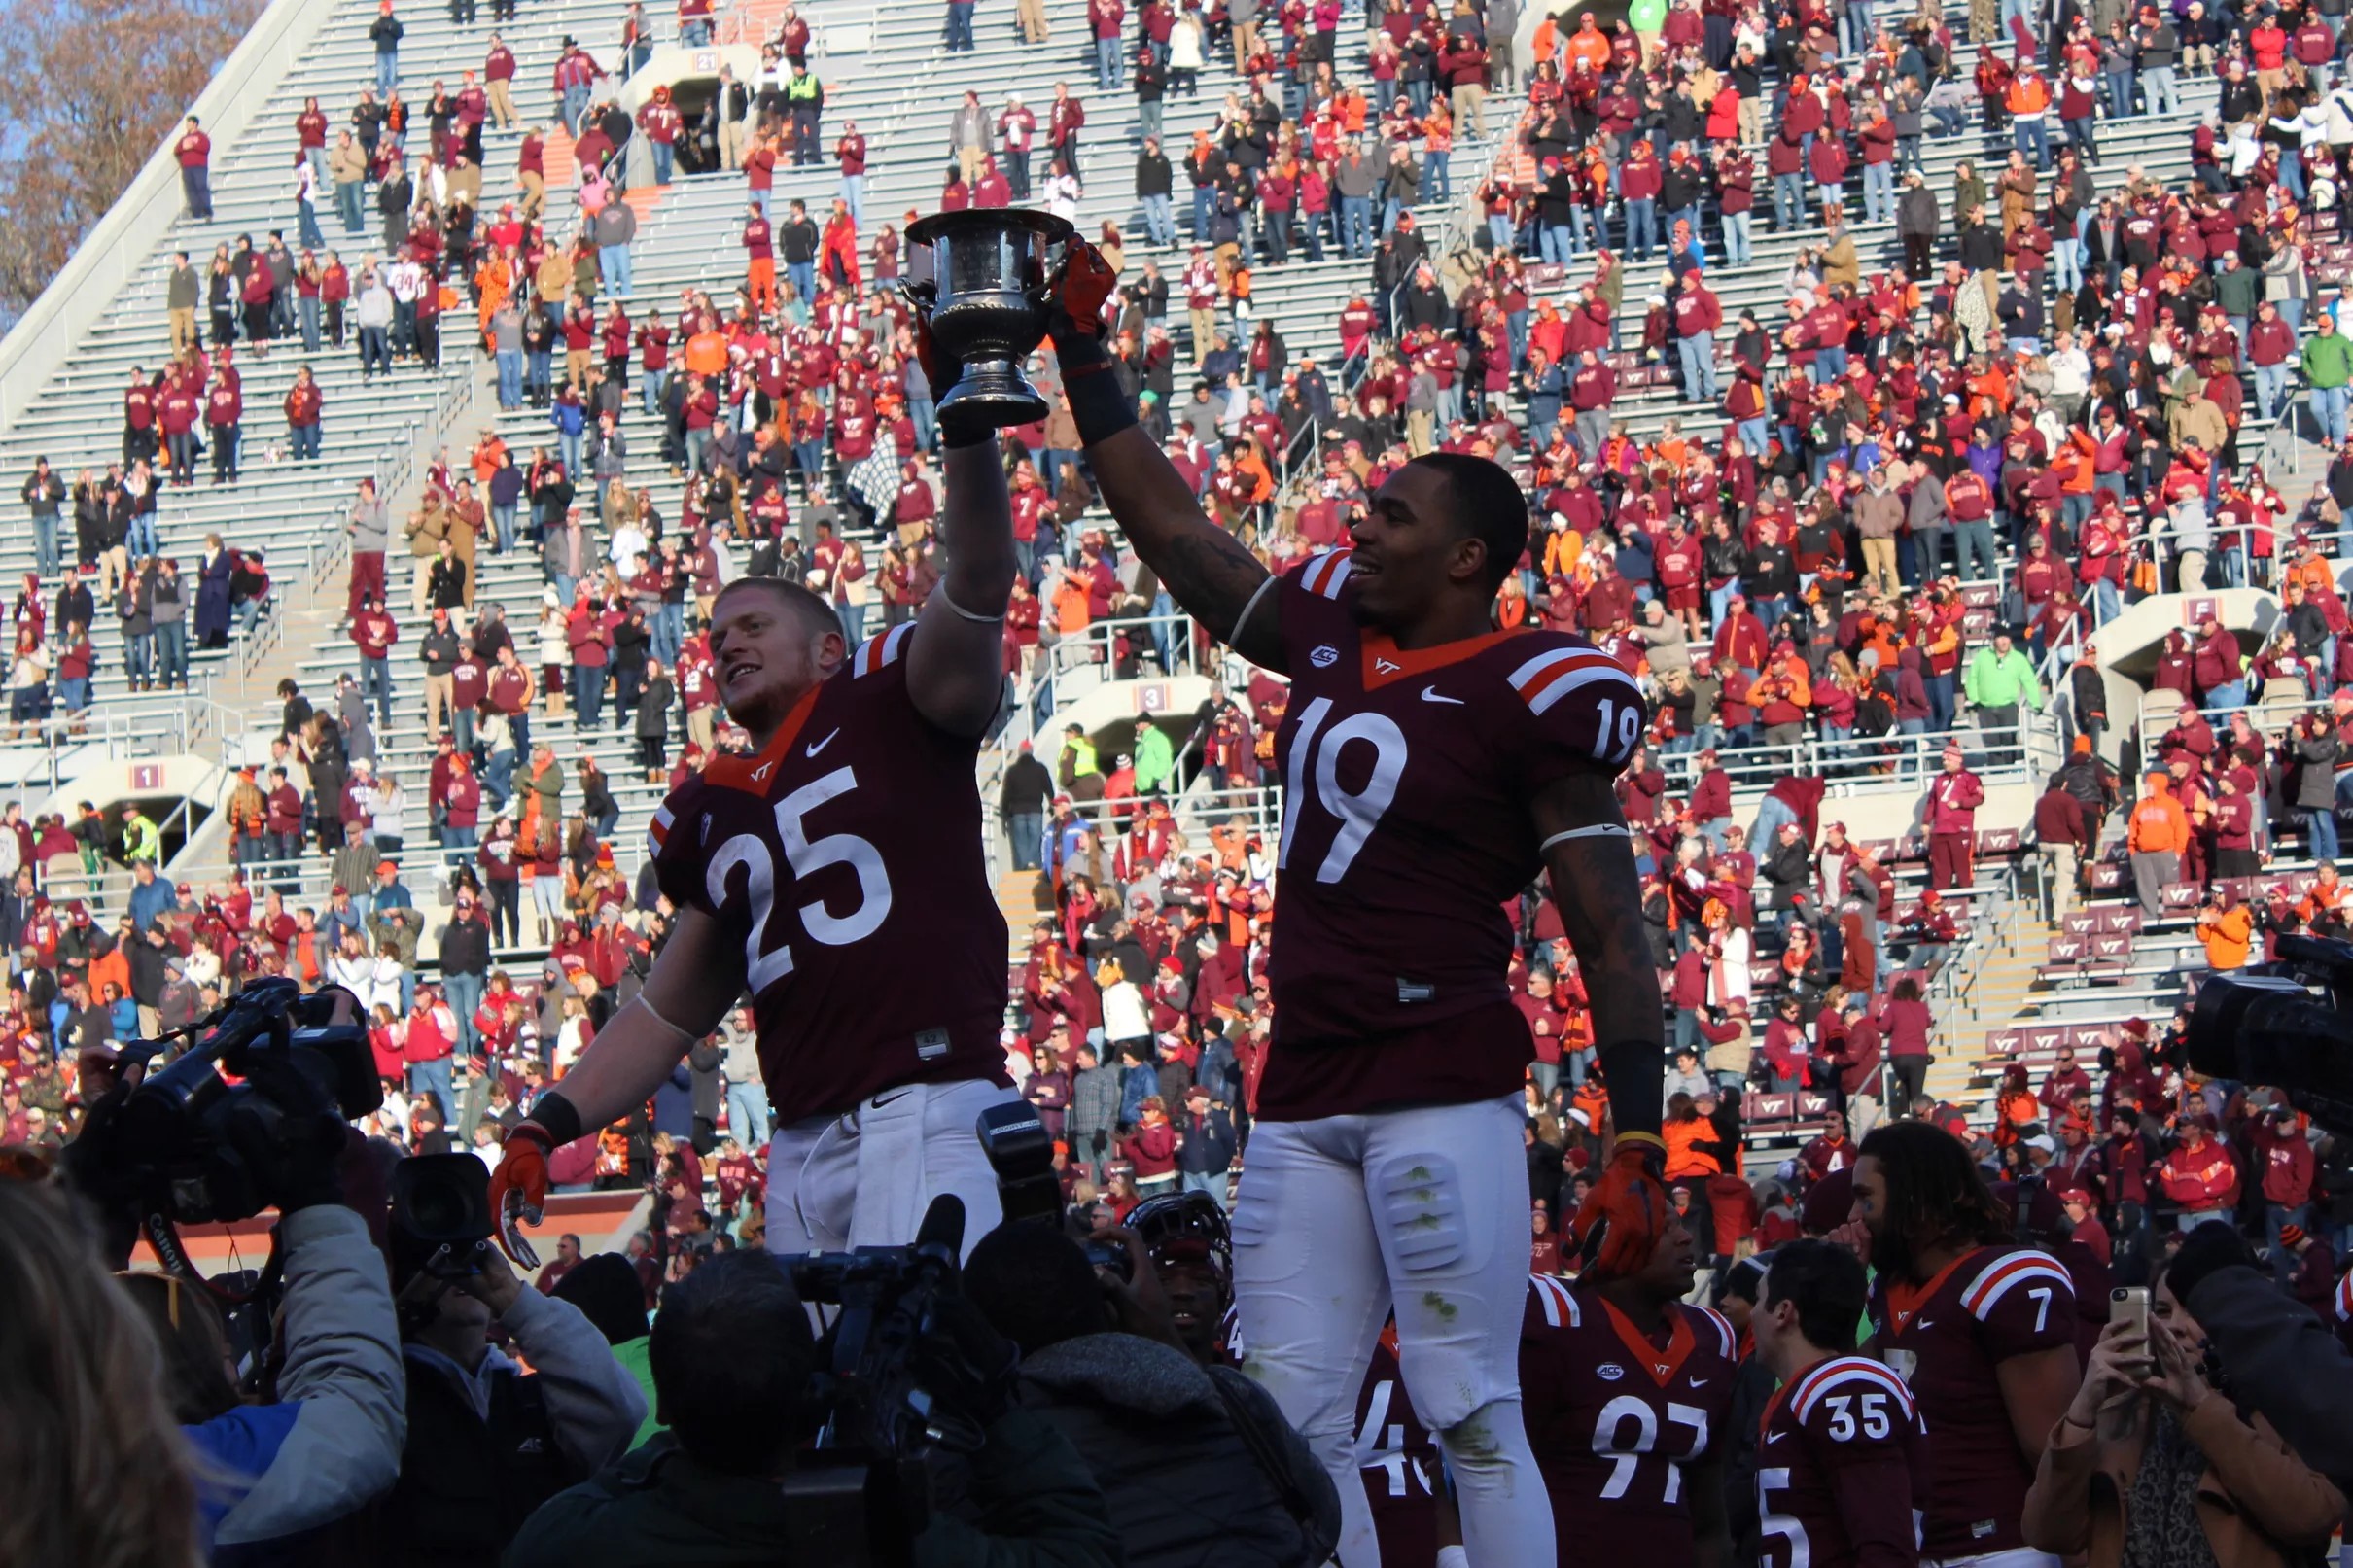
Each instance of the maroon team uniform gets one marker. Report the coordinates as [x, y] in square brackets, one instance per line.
[1842, 1464]
[1396, 1457]
[1406, 827]
[1946, 1338]
[1614, 1419]
[847, 850]
[1399, 1461]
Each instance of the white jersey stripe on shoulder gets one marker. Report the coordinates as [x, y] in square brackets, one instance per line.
[1988, 1290]
[1559, 1302]
[866, 650]
[1724, 1331]
[893, 643]
[1576, 679]
[2345, 1299]
[1527, 675]
[1326, 572]
[1846, 1371]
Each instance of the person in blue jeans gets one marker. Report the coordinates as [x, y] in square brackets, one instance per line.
[960, 26]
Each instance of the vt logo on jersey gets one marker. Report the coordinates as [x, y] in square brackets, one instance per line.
[1386, 666]
[759, 774]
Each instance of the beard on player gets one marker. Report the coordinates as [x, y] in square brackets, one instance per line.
[771, 640]
[1428, 553]
[1917, 1191]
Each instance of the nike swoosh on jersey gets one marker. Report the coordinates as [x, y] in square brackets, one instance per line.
[816, 747]
[1430, 694]
[1775, 1437]
[1698, 1382]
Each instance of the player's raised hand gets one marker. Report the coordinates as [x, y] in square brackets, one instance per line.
[1627, 1210]
[518, 1188]
[1077, 297]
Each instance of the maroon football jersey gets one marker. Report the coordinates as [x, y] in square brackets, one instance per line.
[846, 857]
[1398, 1461]
[1406, 825]
[1615, 1418]
[1945, 1339]
[1842, 1469]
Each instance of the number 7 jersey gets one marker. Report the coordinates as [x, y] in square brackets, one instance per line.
[845, 858]
[1407, 824]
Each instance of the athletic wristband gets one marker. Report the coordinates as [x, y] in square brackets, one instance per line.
[1634, 1072]
[1098, 406]
[554, 1117]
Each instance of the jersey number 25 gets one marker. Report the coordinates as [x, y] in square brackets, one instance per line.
[767, 961]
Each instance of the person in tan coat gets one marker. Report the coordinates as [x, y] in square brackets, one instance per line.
[2151, 1467]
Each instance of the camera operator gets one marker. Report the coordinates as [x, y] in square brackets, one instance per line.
[733, 1359]
[487, 1441]
[331, 1439]
[1103, 1363]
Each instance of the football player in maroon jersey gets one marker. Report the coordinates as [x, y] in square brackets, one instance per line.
[1433, 767]
[1842, 1456]
[1628, 1390]
[814, 873]
[1983, 1331]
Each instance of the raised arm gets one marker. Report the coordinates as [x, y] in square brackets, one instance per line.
[955, 662]
[1208, 571]
[1599, 893]
[695, 980]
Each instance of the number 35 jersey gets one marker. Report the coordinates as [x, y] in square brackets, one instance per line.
[1842, 1469]
[846, 861]
[1407, 824]
[1947, 1339]
[1614, 1419]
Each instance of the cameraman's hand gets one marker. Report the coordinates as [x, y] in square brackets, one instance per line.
[1137, 1302]
[494, 1284]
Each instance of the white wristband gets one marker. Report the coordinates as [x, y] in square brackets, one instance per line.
[1599, 830]
[1454, 1557]
[984, 620]
[1235, 636]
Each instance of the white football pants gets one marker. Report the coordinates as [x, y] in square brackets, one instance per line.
[1427, 1209]
[863, 1180]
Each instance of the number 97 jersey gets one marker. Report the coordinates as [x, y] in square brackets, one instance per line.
[845, 859]
[1842, 1469]
[1407, 824]
[1615, 1419]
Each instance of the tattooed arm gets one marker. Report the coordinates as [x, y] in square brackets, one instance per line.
[1208, 571]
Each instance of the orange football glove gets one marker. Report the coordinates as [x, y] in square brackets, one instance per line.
[1087, 281]
[518, 1188]
[1627, 1210]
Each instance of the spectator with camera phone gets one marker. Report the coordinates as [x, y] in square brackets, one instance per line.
[2153, 1460]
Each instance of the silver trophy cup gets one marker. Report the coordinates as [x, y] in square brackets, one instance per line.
[981, 275]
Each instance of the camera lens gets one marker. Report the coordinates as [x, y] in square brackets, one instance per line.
[437, 1208]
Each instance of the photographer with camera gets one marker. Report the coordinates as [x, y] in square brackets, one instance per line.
[735, 1373]
[1106, 1365]
[331, 1440]
[487, 1441]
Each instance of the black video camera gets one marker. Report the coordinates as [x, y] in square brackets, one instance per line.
[441, 1217]
[1021, 1152]
[196, 1146]
[2268, 1024]
[865, 1491]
